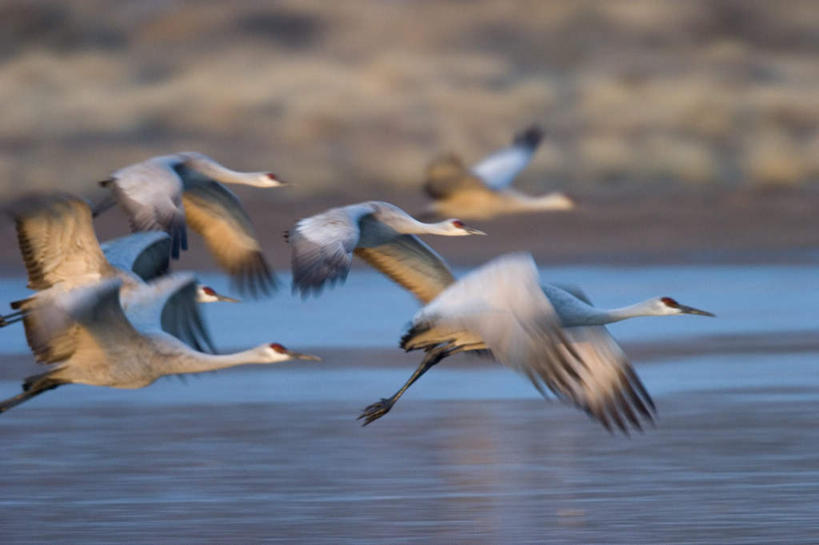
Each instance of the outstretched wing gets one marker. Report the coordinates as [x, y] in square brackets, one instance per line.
[615, 381]
[321, 249]
[216, 214]
[412, 264]
[499, 169]
[447, 175]
[150, 192]
[504, 304]
[169, 303]
[58, 321]
[147, 254]
[57, 240]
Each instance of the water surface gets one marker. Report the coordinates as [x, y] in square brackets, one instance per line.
[470, 455]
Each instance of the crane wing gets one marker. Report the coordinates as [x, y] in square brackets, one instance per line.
[50, 330]
[447, 175]
[321, 249]
[503, 303]
[150, 192]
[169, 304]
[412, 264]
[57, 240]
[499, 169]
[616, 383]
[147, 254]
[216, 214]
[60, 321]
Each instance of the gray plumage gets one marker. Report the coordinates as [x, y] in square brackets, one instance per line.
[167, 191]
[483, 191]
[127, 348]
[322, 246]
[146, 254]
[61, 253]
[552, 336]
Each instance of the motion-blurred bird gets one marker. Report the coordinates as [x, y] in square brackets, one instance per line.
[554, 337]
[61, 252]
[164, 192]
[322, 245]
[483, 191]
[119, 351]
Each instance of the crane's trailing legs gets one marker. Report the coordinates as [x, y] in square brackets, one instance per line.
[431, 358]
[33, 386]
[11, 318]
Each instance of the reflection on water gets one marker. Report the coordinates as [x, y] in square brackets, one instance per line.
[466, 457]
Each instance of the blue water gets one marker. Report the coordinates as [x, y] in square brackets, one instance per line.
[471, 454]
[370, 311]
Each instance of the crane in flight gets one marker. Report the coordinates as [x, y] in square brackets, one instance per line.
[166, 192]
[322, 245]
[553, 336]
[484, 190]
[61, 252]
[126, 348]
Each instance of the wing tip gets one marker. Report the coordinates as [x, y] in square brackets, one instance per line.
[530, 137]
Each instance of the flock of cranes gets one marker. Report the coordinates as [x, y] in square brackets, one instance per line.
[114, 315]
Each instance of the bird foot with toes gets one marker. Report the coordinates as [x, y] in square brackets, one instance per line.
[375, 411]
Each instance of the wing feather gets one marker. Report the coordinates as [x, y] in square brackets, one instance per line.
[150, 192]
[499, 169]
[169, 304]
[321, 249]
[147, 254]
[504, 304]
[412, 264]
[57, 240]
[217, 215]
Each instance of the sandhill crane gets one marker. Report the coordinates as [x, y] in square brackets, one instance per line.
[61, 252]
[483, 191]
[322, 245]
[146, 255]
[162, 193]
[119, 351]
[554, 337]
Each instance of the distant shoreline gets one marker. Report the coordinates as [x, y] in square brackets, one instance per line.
[616, 228]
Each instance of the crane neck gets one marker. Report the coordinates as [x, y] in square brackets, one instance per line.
[192, 361]
[608, 316]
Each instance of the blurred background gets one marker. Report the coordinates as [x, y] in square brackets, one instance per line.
[687, 131]
[355, 95]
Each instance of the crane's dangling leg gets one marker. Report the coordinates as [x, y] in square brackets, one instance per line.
[33, 386]
[11, 318]
[380, 408]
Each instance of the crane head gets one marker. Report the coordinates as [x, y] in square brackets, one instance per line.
[456, 228]
[206, 294]
[277, 352]
[673, 307]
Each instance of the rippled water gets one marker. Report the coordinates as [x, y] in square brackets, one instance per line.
[470, 455]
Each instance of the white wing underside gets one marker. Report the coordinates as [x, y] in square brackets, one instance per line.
[503, 303]
[499, 170]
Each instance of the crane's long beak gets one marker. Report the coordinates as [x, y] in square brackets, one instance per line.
[300, 356]
[473, 231]
[691, 310]
[226, 299]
